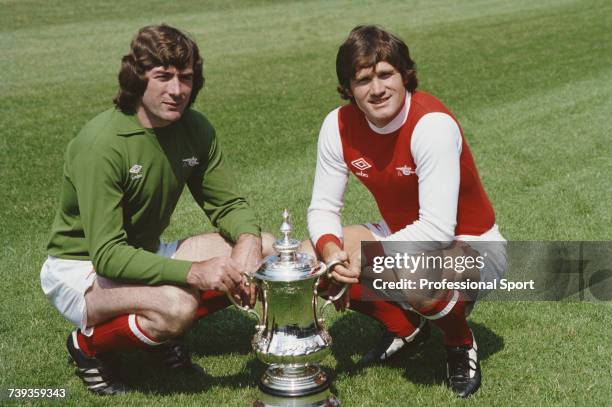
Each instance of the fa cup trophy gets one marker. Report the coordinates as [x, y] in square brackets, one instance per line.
[290, 336]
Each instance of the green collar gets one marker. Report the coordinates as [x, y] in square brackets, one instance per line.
[128, 124]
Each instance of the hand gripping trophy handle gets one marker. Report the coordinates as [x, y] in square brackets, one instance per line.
[246, 308]
[326, 271]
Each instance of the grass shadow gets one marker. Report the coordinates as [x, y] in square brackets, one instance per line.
[429, 364]
[230, 332]
[161, 381]
[226, 331]
[354, 334]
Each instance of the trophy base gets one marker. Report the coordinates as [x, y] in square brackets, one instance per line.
[323, 399]
[293, 381]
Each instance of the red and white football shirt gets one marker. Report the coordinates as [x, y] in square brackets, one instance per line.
[418, 168]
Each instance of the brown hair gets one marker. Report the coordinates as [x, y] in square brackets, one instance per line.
[366, 46]
[156, 45]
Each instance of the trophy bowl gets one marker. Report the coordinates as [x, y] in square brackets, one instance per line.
[290, 336]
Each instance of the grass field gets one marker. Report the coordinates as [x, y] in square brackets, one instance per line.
[530, 81]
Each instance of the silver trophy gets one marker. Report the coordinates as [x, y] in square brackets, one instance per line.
[290, 336]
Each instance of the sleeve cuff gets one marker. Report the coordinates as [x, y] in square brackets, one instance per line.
[175, 271]
[323, 240]
[252, 229]
[233, 234]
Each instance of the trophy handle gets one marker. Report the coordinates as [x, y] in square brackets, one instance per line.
[246, 308]
[326, 270]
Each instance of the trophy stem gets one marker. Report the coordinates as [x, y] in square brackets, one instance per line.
[293, 380]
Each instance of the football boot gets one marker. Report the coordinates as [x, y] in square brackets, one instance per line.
[463, 375]
[175, 355]
[390, 344]
[95, 372]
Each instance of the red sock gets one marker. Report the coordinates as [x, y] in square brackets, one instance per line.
[449, 316]
[119, 333]
[212, 301]
[392, 316]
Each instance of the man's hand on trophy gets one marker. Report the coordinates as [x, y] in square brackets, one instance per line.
[247, 251]
[245, 295]
[341, 275]
[248, 294]
[219, 273]
[347, 273]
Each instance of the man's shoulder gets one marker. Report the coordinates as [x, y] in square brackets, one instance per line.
[350, 119]
[105, 132]
[106, 124]
[350, 113]
[95, 128]
[427, 102]
[348, 109]
[333, 115]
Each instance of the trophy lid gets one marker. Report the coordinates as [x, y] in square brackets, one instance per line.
[288, 265]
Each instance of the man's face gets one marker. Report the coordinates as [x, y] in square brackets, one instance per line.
[379, 92]
[166, 96]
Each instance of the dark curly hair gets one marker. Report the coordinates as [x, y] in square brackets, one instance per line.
[156, 45]
[366, 46]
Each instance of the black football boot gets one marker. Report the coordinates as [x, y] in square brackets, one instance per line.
[390, 344]
[95, 372]
[463, 369]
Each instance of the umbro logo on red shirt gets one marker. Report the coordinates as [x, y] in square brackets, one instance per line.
[361, 164]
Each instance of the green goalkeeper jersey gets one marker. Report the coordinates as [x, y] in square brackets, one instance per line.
[121, 183]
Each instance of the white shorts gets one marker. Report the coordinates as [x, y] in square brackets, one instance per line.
[491, 242]
[65, 283]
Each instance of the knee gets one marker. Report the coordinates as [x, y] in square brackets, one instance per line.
[182, 304]
[425, 301]
[420, 303]
[433, 301]
[178, 311]
[267, 242]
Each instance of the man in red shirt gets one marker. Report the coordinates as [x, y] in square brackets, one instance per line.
[408, 150]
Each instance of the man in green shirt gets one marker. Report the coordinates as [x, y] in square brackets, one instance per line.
[107, 271]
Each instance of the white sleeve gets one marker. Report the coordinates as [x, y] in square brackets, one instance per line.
[330, 182]
[436, 149]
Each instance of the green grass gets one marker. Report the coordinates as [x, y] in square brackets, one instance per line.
[530, 81]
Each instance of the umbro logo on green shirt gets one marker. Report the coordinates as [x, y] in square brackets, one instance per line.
[136, 168]
[190, 162]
